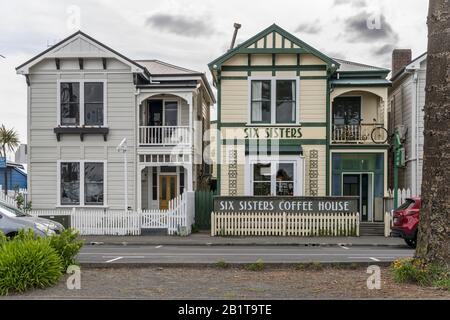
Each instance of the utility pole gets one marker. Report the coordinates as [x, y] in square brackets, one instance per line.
[122, 147]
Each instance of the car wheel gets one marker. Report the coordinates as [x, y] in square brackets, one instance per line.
[412, 242]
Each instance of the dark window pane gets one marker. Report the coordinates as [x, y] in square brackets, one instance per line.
[70, 92]
[70, 114]
[285, 188]
[70, 183]
[93, 92]
[286, 90]
[347, 111]
[261, 189]
[285, 106]
[285, 172]
[93, 114]
[171, 113]
[93, 183]
[155, 184]
[261, 172]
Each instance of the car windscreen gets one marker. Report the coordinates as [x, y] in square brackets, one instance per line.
[406, 204]
[11, 212]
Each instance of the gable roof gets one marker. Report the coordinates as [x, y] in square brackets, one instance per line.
[350, 66]
[273, 28]
[157, 67]
[24, 68]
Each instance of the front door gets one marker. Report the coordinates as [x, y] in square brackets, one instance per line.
[359, 185]
[167, 190]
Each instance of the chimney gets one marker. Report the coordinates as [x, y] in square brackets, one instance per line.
[400, 58]
[237, 26]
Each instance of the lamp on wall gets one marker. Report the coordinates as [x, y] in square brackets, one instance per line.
[122, 147]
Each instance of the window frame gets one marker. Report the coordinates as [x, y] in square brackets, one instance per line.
[163, 110]
[298, 174]
[273, 100]
[82, 184]
[81, 115]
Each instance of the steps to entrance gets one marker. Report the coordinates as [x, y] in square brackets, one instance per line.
[371, 229]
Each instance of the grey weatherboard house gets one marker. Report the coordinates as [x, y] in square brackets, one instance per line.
[84, 98]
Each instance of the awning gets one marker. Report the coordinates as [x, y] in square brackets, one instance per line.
[360, 82]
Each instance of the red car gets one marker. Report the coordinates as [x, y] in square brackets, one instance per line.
[406, 221]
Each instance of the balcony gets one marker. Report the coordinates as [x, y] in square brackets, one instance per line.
[364, 133]
[164, 135]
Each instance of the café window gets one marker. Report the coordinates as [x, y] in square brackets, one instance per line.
[82, 103]
[82, 183]
[273, 178]
[273, 101]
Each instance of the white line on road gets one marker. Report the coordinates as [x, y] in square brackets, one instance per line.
[343, 247]
[158, 247]
[374, 259]
[115, 259]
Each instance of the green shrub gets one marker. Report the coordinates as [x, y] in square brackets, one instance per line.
[221, 264]
[257, 266]
[67, 246]
[418, 272]
[3, 238]
[28, 264]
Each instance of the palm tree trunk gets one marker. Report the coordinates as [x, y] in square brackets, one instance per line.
[434, 229]
[5, 173]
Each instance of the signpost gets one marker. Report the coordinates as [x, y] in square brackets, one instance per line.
[286, 204]
[399, 153]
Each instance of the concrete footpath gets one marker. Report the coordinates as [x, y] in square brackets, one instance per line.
[204, 239]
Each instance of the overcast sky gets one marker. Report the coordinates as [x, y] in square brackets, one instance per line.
[191, 33]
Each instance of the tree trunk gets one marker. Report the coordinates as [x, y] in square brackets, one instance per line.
[434, 228]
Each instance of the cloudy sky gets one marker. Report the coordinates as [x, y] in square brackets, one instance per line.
[191, 33]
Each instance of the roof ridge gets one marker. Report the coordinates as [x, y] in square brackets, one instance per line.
[358, 64]
[169, 65]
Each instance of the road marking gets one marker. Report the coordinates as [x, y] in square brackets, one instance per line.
[115, 259]
[374, 259]
[157, 247]
[344, 247]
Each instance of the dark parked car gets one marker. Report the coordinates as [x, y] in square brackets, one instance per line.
[406, 221]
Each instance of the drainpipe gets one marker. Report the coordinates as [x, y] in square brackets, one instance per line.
[414, 135]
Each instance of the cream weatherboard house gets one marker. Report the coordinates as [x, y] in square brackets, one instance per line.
[292, 121]
[84, 98]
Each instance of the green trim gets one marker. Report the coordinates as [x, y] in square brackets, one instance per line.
[265, 42]
[249, 63]
[273, 39]
[272, 50]
[282, 42]
[343, 85]
[245, 125]
[273, 64]
[314, 77]
[237, 78]
[219, 141]
[281, 141]
[327, 157]
[363, 74]
[276, 68]
[359, 146]
[273, 28]
[298, 64]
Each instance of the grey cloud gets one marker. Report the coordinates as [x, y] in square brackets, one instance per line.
[385, 50]
[311, 28]
[181, 25]
[353, 3]
[363, 27]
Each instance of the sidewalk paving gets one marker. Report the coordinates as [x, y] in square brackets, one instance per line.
[204, 239]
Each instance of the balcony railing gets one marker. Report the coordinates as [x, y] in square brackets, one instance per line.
[164, 135]
[360, 133]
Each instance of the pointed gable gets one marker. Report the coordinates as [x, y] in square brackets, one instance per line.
[274, 39]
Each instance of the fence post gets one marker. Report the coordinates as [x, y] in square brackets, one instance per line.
[213, 224]
[357, 224]
[284, 224]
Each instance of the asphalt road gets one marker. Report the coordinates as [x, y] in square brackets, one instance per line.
[237, 254]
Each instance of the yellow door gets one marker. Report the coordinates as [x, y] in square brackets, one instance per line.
[167, 190]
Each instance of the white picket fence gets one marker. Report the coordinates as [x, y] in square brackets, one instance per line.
[177, 219]
[7, 199]
[402, 194]
[388, 223]
[284, 224]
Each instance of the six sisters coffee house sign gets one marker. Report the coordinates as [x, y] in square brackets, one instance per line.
[273, 133]
[286, 204]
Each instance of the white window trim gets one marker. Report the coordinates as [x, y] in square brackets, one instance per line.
[299, 172]
[81, 205]
[273, 100]
[81, 102]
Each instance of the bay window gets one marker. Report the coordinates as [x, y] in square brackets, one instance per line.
[273, 101]
[81, 103]
[81, 183]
